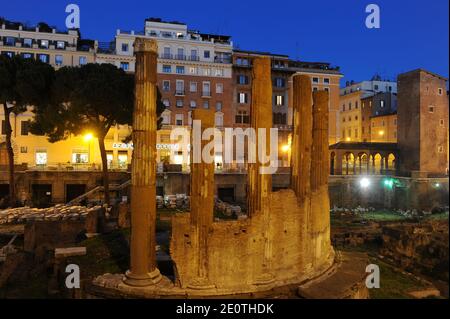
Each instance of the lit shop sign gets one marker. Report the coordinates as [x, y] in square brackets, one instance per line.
[158, 146]
[167, 146]
[123, 145]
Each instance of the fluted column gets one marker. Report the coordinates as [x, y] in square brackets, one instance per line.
[260, 185]
[302, 137]
[143, 271]
[319, 220]
[202, 199]
[320, 155]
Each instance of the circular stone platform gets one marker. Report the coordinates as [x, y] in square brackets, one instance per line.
[344, 279]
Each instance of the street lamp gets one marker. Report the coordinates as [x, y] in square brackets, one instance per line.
[88, 138]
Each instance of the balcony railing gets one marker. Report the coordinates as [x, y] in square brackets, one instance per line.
[194, 58]
[222, 60]
[179, 92]
[166, 56]
[180, 57]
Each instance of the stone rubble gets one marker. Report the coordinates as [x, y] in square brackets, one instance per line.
[22, 215]
[409, 213]
[178, 201]
[227, 209]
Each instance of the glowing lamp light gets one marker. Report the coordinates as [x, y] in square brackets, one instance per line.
[381, 133]
[437, 185]
[285, 148]
[364, 182]
[348, 139]
[88, 137]
[389, 183]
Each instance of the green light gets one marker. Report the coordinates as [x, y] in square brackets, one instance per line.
[389, 182]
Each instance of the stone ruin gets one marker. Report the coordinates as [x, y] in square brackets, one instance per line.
[60, 212]
[286, 237]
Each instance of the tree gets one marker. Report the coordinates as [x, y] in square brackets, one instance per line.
[23, 82]
[91, 98]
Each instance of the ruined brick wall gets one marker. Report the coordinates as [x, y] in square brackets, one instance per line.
[235, 248]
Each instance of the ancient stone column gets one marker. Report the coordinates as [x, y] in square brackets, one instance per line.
[320, 155]
[143, 269]
[202, 199]
[319, 220]
[302, 136]
[260, 185]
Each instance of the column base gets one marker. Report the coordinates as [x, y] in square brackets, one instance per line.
[200, 284]
[264, 279]
[148, 279]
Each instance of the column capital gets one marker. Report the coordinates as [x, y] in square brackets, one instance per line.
[145, 45]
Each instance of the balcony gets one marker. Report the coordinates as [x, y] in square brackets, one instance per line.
[180, 57]
[224, 60]
[179, 92]
[194, 58]
[166, 56]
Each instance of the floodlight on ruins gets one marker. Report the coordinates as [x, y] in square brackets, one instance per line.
[364, 182]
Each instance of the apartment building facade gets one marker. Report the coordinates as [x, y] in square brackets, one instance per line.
[379, 118]
[354, 117]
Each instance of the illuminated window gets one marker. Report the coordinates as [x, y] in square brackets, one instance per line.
[179, 119]
[27, 43]
[124, 66]
[80, 157]
[243, 98]
[43, 57]
[193, 70]
[122, 160]
[58, 59]
[219, 72]
[61, 45]
[41, 157]
[279, 100]
[44, 44]
[219, 88]
[179, 69]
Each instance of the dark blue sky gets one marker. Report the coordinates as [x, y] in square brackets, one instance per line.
[413, 34]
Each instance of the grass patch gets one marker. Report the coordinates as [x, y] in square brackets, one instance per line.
[107, 253]
[393, 283]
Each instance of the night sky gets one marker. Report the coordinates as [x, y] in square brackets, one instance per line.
[413, 33]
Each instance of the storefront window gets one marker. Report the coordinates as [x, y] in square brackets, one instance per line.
[80, 157]
[109, 159]
[123, 160]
